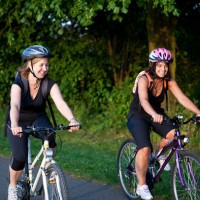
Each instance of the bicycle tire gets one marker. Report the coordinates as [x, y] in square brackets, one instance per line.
[56, 179]
[126, 171]
[191, 192]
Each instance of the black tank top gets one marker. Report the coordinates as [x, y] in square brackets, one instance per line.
[30, 108]
[136, 108]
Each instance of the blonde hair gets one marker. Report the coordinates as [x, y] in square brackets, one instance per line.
[24, 70]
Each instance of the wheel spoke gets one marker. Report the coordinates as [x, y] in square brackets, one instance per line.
[126, 169]
[190, 169]
[56, 183]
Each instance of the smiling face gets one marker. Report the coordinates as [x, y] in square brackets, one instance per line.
[161, 69]
[40, 67]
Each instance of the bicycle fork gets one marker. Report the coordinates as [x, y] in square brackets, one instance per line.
[47, 158]
[189, 168]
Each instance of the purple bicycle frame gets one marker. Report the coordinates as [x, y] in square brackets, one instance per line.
[174, 145]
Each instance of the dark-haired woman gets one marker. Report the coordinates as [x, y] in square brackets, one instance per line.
[146, 112]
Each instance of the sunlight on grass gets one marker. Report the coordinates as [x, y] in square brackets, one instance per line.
[91, 153]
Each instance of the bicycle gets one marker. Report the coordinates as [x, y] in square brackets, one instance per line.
[50, 181]
[185, 173]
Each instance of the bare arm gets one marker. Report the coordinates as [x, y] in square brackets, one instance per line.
[14, 108]
[62, 105]
[182, 99]
[143, 96]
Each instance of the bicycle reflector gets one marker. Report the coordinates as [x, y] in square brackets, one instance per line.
[186, 140]
[49, 153]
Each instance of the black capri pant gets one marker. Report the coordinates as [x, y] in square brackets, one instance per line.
[140, 127]
[19, 145]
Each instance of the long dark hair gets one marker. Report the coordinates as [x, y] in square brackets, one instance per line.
[152, 71]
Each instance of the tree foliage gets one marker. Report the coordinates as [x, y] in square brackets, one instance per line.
[97, 46]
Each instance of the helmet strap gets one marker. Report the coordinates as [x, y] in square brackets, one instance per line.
[32, 72]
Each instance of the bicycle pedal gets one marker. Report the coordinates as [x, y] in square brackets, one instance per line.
[52, 178]
[52, 181]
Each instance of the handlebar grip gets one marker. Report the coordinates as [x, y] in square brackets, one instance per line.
[68, 127]
[165, 118]
[198, 119]
[80, 126]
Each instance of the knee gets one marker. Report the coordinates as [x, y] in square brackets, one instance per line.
[142, 157]
[16, 164]
[170, 135]
[145, 151]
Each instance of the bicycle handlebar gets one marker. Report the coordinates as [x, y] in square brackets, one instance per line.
[177, 120]
[43, 132]
[31, 129]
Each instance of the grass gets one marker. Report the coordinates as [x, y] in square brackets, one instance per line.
[91, 153]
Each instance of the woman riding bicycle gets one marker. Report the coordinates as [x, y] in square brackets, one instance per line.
[146, 112]
[27, 108]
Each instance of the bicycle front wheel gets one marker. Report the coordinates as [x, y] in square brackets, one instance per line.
[190, 169]
[126, 168]
[56, 183]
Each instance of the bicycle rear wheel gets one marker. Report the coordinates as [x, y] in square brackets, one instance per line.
[56, 183]
[190, 168]
[126, 168]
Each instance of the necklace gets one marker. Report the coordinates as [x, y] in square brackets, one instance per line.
[37, 85]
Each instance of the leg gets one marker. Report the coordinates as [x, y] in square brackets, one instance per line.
[142, 160]
[140, 130]
[17, 162]
[164, 141]
[16, 167]
[14, 175]
[165, 130]
[43, 121]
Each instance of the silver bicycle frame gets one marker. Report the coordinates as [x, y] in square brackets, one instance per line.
[47, 158]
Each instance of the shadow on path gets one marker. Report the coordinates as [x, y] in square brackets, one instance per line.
[79, 189]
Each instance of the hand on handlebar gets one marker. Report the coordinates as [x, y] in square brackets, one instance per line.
[74, 125]
[17, 131]
[157, 118]
[198, 118]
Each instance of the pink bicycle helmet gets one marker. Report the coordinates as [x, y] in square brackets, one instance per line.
[160, 54]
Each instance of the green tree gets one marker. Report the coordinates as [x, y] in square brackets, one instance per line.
[95, 43]
[160, 18]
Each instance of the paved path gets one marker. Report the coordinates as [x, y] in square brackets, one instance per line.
[79, 189]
